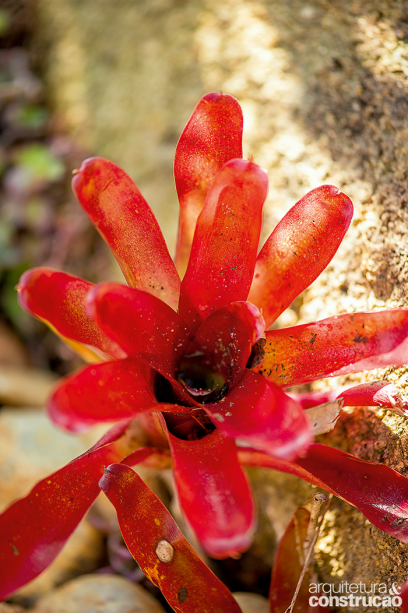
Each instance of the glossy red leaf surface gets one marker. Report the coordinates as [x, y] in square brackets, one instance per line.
[287, 568]
[261, 414]
[159, 459]
[375, 393]
[225, 242]
[212, 137]
[126, 222]
[222, 345]
[253, 457]
[185, 581]
[313, 351]
[102, 392]
[370, 394]
[378, 491]
[214, 493]
[34, 529]
[299, 249]
[144, 326]
[396, 357]
[59, 300]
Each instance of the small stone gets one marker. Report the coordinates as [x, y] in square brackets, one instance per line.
[252, 603]
[164, 551]
[97, 593]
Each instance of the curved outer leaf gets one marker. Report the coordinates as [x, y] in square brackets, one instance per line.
[212, 136]
[58, 299]
[287, 568]
[370, 394]
[313, 351]
[126, 222]
[299, 249]
[253, 457]
[185, 581]
[214, 493]
[378, 491]
[101, 392]
[34, 529]
[223, 253]
[260, 413]
[223, 342]
[144, 326]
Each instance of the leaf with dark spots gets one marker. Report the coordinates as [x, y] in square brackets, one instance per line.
[186, 582]
[291, 359]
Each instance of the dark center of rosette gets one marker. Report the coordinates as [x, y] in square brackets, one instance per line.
[202, 383]
[200, 379]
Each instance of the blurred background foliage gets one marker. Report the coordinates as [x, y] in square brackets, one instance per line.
[40, 222]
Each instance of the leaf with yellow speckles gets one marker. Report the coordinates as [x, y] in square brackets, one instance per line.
[333, 346]
[126, 222]
[58, 299]
[160, 549]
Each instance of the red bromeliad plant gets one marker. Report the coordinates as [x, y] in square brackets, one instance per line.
[189, 373]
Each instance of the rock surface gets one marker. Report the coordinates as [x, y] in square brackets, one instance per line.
[24, 387]
[97, 594]
[30, 449]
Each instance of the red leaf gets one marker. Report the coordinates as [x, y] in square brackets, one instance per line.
[126, 222]
[102, 392]
[212, 136]
[59, 300]
[221, 347]
[396, 357]
[379, 492]
[287, 568]
[299, 249]
[260, 413]
[214, 493]
[225, 242]
[313, 351]
[144, 326]
[252, 457]
[371, 394]
[34, 529]
[185, 581]
[159, 459]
